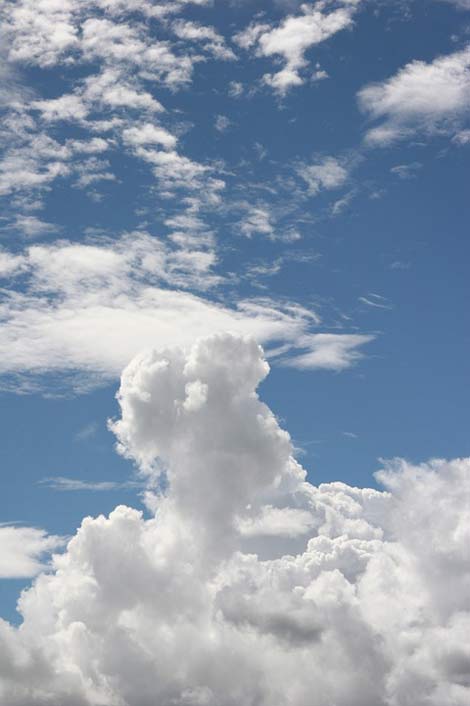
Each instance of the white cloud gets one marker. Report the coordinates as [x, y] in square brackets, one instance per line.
[421, 98]
[89, 307]
[10, 264]
[257, 219]
[235, 89]
[329, 351]
[462, 137]
[32, 226]
[328, 173]
[462, 4]
[293, 38]
[121, 59]
[222, 123]
[41, 31]
[406, 171]
[65, 107]
[208, 37]
[64, 484]
[22, 551]
[149, 134]
[376, 301]
[249, 585]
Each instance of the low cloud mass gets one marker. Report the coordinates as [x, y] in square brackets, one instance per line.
[243, 584]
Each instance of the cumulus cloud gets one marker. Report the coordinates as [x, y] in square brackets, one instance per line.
[421, 98]
[246, 584]
[293, 37]
[22, 550]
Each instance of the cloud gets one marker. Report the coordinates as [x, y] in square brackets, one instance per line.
[257, 220]
[461, 4]
[294, 36]
[247, 584]
[235, 89]
[420, 99]
[62, 483]
[376, 301]
[22, 550]
[406, 171]
[32, 227]
[208, 37]
[88, 307]
[121, 59]
[327, 173]
[328, 351]
[222, 123]
[87, 432]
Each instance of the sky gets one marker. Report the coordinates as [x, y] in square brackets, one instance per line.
[234, 352]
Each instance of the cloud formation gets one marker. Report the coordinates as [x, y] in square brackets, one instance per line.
[421, 98]
[327, 173]
[88, 307]
[23, 549]
[293, 37]
[247, 584]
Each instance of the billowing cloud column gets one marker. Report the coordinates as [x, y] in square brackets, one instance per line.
[198, 420]
[247, 585]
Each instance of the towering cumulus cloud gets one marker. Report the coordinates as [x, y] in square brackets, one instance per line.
[244, 584]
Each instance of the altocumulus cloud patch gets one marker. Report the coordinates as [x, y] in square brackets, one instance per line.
[244, 583]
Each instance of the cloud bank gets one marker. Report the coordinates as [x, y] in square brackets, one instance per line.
[246, 584]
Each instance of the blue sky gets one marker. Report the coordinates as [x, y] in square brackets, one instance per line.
[294, 172]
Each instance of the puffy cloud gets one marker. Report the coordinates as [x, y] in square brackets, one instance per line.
[294, 37]
[328, 173]
[247, 584]
[41, 31]
[149, 134]
[22, 550]
[429, 98]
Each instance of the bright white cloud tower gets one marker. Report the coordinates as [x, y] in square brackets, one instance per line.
[247, 585]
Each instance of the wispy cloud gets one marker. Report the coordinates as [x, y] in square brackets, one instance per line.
[376, 301]
[62, 483]
[90, 306]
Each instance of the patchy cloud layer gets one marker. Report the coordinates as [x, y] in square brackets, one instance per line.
[247, 585]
